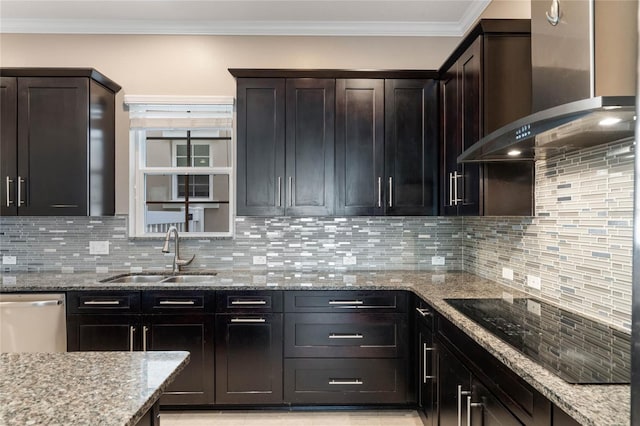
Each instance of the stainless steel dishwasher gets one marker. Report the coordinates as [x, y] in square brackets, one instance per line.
[33, 323]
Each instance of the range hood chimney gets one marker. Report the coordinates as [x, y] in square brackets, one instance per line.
[584, 57]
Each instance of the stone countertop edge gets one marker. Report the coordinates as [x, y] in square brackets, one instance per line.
[591, 405]
[160, 390]
[80, 388]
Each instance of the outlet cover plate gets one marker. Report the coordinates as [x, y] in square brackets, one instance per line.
[533, 281]
[98, 247]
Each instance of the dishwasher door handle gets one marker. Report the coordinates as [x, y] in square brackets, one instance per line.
[30, 304]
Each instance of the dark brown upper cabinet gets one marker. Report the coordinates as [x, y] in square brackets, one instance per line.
[285, 146]
[325, 142]
[386, 147]
[58, 142]
[485, 84]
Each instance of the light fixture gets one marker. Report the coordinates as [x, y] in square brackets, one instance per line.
[514, 153]
[609, 121]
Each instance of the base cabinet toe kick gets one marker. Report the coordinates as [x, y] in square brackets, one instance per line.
[312, 348]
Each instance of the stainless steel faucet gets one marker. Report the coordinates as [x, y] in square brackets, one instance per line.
[177, 262]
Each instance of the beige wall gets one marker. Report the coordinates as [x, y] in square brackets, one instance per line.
[197, 65]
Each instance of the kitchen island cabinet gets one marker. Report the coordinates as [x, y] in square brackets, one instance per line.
[485, 84]
[85, 388]
[62, 114]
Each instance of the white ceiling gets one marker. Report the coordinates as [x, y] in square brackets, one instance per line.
[242, 17]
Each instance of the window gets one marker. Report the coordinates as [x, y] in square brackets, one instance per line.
[181, 166]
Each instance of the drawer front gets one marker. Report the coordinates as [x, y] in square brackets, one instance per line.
[345, 335]
[342, 301]
[345, 381]
[178, 301]
[249, 301]
[108, 302]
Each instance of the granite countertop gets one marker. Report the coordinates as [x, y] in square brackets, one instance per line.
[83, 388]
[592, 405]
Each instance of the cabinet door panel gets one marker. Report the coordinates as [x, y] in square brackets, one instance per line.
[261, 144]
[8, 145]
[103, 333]
[360, 147]
[52, 127]
[248, 359]
[454, 379]
[411, 159]
[310, 146]
[192, 333]
[450, 119]
[470, 75]
[486, 408]
[426, 370]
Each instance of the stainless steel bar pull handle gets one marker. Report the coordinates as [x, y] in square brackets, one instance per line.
[424, 312]
[63, 206]
[177, 302]
[132, 331]
[346, 302]
[8, 188]
[248, 320]
[469, 406]
[456, 199]
[101, 302]
[390, 191]
[450, 189]
[279, 192]
[145, 329]
[20, 182]
[33, 303]
[461, 393]
[379, 191]
[345, 336]
[345, 381]
[248, 302]
[290, 191]
[425, 352]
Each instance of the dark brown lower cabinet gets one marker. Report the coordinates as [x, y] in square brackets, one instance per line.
[483, 408]
[344, 381]
[111, 332]
[560, 418]
[248, 358]
[192, 333]
[454, 384]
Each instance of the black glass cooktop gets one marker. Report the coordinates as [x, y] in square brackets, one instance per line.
[577, 349]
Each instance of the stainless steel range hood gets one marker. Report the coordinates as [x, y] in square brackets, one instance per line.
[568, 127]
[583, 55]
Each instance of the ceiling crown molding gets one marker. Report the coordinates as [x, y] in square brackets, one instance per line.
[266, 28]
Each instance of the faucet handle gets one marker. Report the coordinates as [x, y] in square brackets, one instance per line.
[185, 262]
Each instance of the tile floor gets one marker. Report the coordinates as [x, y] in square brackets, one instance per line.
[290, 418]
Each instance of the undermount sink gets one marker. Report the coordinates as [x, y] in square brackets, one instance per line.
[136, 279]
[188, 278]
[195, 277]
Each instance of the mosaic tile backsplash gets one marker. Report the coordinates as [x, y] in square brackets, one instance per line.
[579, 242]
[283, 243]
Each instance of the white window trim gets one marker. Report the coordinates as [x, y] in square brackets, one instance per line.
[138, 169]
[174, 180]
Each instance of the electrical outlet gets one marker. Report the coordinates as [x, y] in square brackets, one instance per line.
[9, 260]
[507, 274]
[507, 297]
[438, 260]
[98, 247]
[534, 307]
[349, 260]
[259, 260]
[533, 281]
